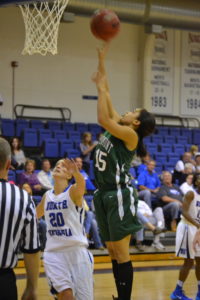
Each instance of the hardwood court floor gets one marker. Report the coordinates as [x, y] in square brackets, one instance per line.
[148, 285]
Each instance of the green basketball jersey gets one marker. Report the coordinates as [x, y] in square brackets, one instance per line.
[112, 162]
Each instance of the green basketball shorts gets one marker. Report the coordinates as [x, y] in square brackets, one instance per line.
[116, 213]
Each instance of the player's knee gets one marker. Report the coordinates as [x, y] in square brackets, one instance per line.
[188, 263]
[66, 295]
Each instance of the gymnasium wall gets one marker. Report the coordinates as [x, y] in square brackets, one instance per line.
[61, 80]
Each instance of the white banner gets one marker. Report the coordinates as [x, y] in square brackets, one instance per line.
[190, 74]
[162, 73]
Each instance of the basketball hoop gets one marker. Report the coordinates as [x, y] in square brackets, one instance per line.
[42, 22]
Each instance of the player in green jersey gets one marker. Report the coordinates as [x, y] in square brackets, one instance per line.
[115, 199]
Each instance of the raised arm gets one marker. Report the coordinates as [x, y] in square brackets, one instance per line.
[105, 118]
[101, 68]
[78, 189]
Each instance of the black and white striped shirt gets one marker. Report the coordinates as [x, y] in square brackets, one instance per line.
[18, 224]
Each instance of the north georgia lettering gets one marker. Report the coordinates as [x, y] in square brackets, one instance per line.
[57, 205]
[60, 232]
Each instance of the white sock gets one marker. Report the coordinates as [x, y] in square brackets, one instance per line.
[156, 238]
[180, 283]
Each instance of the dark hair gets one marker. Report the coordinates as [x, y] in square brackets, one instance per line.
[146, 127]
[196, 175]
[19, 143]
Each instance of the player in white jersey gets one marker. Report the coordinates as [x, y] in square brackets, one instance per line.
[187, 230]
[68, 263]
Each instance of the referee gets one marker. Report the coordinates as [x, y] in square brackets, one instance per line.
[18, 231]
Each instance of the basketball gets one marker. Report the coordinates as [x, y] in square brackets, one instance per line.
[105, 24]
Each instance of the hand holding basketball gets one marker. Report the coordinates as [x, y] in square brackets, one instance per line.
[105, 24]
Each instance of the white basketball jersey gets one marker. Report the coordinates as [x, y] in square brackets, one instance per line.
[64, 222]
[194, 209]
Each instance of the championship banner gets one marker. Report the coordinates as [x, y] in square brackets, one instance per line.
[162, 73]
[190, 74]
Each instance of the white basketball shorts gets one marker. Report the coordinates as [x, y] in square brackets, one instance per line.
[70, 269]
[184, 238]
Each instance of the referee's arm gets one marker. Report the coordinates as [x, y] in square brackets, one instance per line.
[31, 248]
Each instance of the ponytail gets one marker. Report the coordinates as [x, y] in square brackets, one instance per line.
[147, 127]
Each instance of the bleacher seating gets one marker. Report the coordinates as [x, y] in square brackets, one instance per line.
[30, 137]
[59, 134]
[68, 126]
[64, 146]
[43, 135]
[11, 176]
[36, 124]
[51, 148]
[8, 127]
[72, 153]
[54, 125]
[20, 126]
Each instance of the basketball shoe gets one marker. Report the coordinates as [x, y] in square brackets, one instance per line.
[179, 295]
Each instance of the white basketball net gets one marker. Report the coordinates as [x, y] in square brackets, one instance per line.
[42, 22]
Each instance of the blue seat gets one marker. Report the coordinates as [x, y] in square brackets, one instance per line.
[81, 127]
[8, 127]
[168, 167]
[165, 148]
[44, 134]
[182, 140]
[93, 127]
[74, 135]
[36, 124]
[65, 145]
[175, 131]
[196, 137]
[30, 137]
[59, 134]
[157, 139]
[162, 130]
[187, 132]
[68, 126]
[179, 149]
[159, 167]
[11, 176]
[151, 147]
[20, 126]
[51, 149]
[173, 159]
[54, 125]
[170, 139]
[73, 153]
[160, 158]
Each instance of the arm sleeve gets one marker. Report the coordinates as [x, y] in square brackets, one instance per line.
[30, 238]
[141, 179]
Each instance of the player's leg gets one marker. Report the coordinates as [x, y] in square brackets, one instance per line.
[197, 272]
[120, 251]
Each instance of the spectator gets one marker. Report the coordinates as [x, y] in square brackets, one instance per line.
[18, 158]
[89, 185]
[188, 184]
[45, 176]
[197, 161]
[179, 171]
[41, 224]
[154, 221]
[143, 166]
[86, 147]
[193, 150]
[171, 198]
[148, 183]
[30, 177]
[91, 227]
